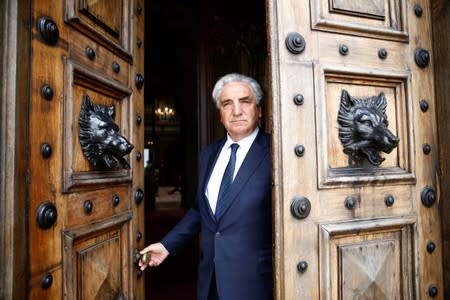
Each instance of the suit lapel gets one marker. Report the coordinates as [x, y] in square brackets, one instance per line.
[256, 154]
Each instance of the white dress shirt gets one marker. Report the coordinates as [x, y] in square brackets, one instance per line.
[212, 189]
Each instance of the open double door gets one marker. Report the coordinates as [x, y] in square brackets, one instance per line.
[354, 140]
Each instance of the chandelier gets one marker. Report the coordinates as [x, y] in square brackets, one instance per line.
[164, 112]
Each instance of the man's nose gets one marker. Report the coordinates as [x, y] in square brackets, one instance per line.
[237, 108]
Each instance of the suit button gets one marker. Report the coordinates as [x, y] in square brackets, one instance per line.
[217, 234]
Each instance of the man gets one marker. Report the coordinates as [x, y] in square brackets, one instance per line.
[235, 226]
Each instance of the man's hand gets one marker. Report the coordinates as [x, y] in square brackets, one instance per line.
[157, 252]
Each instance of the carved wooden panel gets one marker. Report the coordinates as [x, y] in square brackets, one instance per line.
[95, 259]
[335, 166]
[375, 18]
[370, 270]
[361, 244]
[368, 259]
[106, 14]
[102, 61]
[87, 250]
[82, 81]
[105, 21]
[365, 8]
[103, 206]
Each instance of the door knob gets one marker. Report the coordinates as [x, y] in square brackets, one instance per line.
[48, 30]
[46, 215]
[350, 202]
[138, 257]
[295, 43]
[138, 196]
[300, 207]
[422, 57]
[302, 266]
[428, 196]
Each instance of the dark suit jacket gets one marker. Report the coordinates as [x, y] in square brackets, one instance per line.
[238, 246]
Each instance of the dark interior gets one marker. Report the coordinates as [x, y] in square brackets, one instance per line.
[189, 45]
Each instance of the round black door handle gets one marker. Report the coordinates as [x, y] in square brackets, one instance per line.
[432, 291]
[46, 281]
[350, 203]
[46, 150]
[298, 99]
[422, 57]
[138, 236]
[389, 200]
[300, 207]
[295, 43]
[115, 200]
[48, 30]
[431, 246]
[139, 81]
[47, 92]
[428, 196]
[115, 67]
[343, 49]
[302, 266]
[46, 215]
[138, 196]
[382, 53]
[299, 150]
[88, 206]
[90, 53]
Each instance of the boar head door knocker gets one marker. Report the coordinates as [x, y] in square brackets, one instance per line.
[99, 136]
[363, 128]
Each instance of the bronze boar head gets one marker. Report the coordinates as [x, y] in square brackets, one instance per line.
[99, 136]
[364, 129]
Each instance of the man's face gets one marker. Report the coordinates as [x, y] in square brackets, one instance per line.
[239, 112]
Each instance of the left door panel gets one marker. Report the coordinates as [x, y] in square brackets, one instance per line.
[86, 214]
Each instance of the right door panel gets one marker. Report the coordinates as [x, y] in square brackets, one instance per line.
[355, 150]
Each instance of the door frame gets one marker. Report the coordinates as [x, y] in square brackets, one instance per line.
[440, 10]
[15, 34]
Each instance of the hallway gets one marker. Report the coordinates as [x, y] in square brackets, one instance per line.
[176, 277]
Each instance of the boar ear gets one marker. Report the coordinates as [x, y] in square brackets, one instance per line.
[346, 100]
[87, 102]
[112, 111]
[381, 102]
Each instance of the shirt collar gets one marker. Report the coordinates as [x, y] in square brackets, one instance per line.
[244, 143]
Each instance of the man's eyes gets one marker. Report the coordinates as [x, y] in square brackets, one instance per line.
[241, 101]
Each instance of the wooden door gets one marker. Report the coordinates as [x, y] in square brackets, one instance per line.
[355, 150]
[86, 214]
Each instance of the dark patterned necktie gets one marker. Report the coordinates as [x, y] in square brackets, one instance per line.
[227, 179]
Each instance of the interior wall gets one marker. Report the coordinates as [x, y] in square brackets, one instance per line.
[441, 42]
